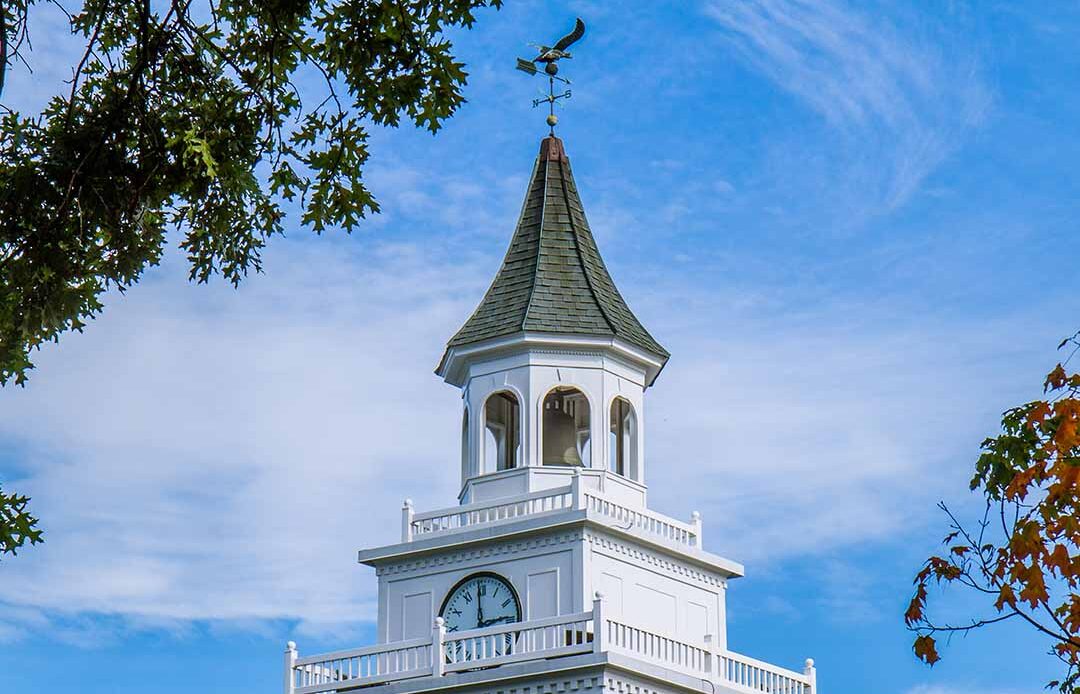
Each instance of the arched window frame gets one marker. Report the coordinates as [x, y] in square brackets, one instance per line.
[466, 470]
[623, 432]
[503, 461]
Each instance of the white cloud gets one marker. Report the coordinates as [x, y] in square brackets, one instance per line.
[954, 689]
[899, 91]
[206, 454]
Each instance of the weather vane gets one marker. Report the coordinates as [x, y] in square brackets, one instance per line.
[550, 57]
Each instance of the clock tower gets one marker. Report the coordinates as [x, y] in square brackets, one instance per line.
[551, 573]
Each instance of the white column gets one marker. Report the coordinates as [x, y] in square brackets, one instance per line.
[598, 623]
[406, 521]
[710, 649]
[811, 675]
[290, 663]
[695, 521]
[438, 638]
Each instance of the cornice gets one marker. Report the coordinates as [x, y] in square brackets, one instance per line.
[640, 555]
[453, 558]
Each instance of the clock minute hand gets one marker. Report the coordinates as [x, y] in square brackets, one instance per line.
[479, 608]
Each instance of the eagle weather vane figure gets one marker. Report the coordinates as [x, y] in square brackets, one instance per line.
[550, 57]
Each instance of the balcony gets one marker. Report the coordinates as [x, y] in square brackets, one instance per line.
[590, 636]
[594, 501]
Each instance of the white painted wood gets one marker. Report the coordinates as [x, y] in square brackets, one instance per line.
[406, 520]
[657, 647]
[542, 593]
[598, 623]
[416, 611]
[290, 663]
[438, 638]
[811, 675]
[538, 640]
[641, 519]
[365, 651]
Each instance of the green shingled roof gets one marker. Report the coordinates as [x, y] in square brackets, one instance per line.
[553, 279]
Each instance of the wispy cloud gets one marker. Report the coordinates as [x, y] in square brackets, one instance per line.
[900, 91]
[204, 454]
[955, 689]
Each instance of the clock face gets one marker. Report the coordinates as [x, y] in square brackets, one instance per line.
[481, 600]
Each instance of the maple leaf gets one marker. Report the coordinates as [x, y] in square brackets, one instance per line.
[914, 613]
[1055, 379]
[1034, 589]
[925, 648]
[1006, 596]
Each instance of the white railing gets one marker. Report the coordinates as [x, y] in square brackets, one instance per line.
[644, 520]
[360, 666]
[547, 638]
[415, 525]
[753, 675]
[483, 513]
[657, 648]
[573, 634]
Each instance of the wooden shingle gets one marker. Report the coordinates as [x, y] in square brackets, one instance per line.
[553, 279]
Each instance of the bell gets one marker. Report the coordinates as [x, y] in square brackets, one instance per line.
[560, 436]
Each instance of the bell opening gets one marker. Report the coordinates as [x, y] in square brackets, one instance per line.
[566, 430]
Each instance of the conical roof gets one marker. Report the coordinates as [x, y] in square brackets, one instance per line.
[553, 279]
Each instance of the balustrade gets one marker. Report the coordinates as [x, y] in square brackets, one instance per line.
[574, 634]
[433, 523]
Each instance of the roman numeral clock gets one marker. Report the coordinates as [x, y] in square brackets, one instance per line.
[551, 573]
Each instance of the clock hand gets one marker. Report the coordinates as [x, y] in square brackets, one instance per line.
[479, 607]
[506, 619]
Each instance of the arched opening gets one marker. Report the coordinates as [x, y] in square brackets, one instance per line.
[566, 428]
[465, 445]
[502, 427]
[622, 439]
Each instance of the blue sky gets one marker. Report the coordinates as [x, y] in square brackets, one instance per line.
[849, 222]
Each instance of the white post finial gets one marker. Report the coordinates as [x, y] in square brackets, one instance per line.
[290, 665]
[811, 675]
[695, 521]
[406, 521]
[438, 639]
[599, 624]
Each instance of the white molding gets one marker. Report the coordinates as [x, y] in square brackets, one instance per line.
[454, 365]
[479, 555]
[605, 543]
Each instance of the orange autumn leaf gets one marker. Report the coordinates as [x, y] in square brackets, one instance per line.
[1068, 413]
[926, 649]
[1006, 596]
[914, 613]
[1034, 586]
[1059, 561]
[1056, 378]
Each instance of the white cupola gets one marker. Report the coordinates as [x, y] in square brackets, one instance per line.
[553, 365]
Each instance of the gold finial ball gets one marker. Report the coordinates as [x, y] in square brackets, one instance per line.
[551, 68]
[552, 120]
